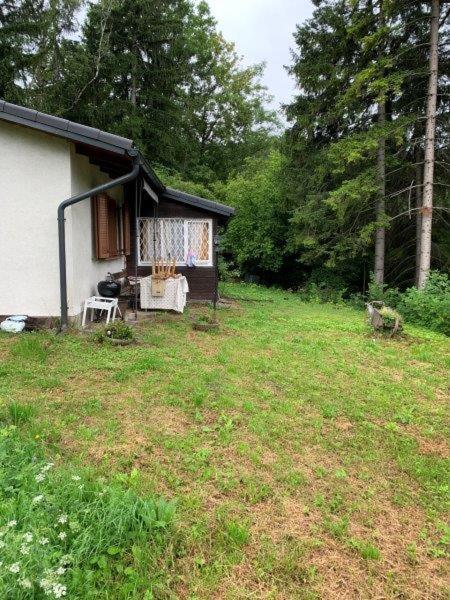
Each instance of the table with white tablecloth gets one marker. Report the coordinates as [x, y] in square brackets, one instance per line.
[174, 297]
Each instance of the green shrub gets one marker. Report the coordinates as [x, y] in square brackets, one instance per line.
[390, 317]
[64, 533]
[429, 307]
[314, 292]
[118, 330]
[357, 301]
[382, 293]
[227, 272]
[326, 278]
[323, 286]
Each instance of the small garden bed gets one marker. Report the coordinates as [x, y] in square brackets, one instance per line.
[117, 333]
[205, 323]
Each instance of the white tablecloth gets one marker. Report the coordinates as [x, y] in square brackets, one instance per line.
[174, 297]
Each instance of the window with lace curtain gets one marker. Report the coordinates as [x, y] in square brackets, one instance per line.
[175, 238]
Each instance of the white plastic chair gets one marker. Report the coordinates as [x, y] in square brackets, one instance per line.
[111, 305]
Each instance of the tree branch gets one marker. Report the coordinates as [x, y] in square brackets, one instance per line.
[407, 212]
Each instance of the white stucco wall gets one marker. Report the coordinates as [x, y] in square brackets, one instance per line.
[84, 271]
[37, 172]
[34, 178]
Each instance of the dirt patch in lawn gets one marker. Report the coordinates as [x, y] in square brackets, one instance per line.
[436, 447]
[168, 420]
[278, 518]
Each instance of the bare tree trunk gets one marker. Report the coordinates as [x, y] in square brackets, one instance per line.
[133, 94]
[380, 235]
[133, 91]
[418, 169]
[428, 172]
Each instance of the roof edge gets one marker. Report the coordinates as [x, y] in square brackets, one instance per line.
[199, 202]
[60, 127]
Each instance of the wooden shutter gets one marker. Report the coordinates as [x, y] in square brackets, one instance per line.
[101, 230]
[126, 229]
[105, 227]
[113, 231]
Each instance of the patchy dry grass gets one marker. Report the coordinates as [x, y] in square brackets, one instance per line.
[308, 457]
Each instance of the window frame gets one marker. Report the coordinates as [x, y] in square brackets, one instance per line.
[186, 221]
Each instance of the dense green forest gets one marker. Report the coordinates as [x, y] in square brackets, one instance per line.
[336, 195]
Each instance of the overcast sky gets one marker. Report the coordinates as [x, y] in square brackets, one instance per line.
[262, 31]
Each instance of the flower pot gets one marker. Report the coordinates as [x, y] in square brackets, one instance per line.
[117, 342]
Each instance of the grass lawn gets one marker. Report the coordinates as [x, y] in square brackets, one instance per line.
[307, 456]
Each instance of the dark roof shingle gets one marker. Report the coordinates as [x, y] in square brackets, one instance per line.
[64, 128]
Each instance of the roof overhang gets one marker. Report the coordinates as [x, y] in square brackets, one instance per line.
[64, 128]
[113, 154]
[222, 210]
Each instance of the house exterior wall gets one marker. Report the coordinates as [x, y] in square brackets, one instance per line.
[34, 179]
[84, 270]
[37, 172]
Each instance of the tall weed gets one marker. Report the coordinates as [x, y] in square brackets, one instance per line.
[68, 534]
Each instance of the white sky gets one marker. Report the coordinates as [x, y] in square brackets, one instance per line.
[262, 31]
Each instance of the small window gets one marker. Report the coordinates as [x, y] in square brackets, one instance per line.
[175, 238]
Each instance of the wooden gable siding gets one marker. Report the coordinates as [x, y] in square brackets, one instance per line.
[201, 280]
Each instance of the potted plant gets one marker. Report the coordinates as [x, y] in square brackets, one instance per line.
[384, 318]
[117, 333]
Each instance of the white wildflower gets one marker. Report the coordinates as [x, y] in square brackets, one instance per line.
[62, 519]
[38, 498]
[24, 549]
[28, 536]
[47, 467]
[60, 571]
[11, 523]
[76, 478]
[62, 535]
[25, 583]
[2, 544]
[66, 559]
[59, 590]
[40, 477]
[14, 568]
[43, 541]
[45, 584]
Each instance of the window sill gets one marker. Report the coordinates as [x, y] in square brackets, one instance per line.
[110, 258]
[180, 265]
